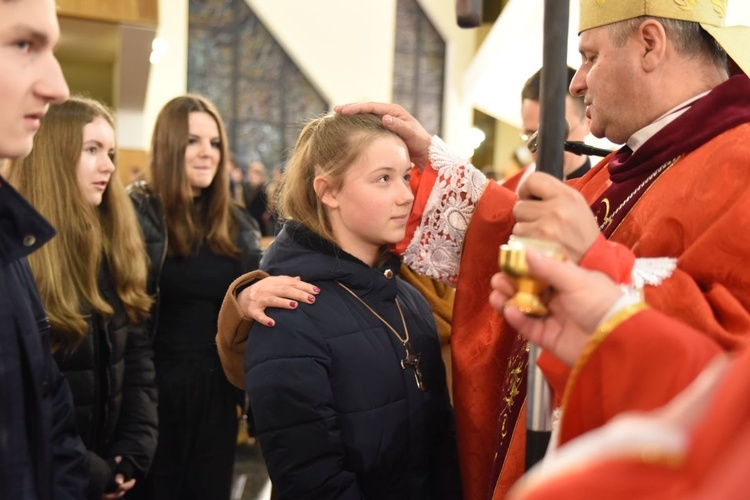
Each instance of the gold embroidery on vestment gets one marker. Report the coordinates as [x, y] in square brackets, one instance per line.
[512, 383]
[606, 220]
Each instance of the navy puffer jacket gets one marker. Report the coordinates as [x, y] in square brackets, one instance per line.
[335, 414]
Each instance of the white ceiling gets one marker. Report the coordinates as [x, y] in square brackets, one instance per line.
[512, 52]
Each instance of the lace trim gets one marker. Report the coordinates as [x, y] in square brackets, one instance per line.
[435, 249]
[554, 440]
[652, 271]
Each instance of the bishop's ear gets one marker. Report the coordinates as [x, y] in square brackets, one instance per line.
[652, 40]
[325, 192]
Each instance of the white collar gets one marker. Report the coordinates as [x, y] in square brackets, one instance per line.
[640, 137]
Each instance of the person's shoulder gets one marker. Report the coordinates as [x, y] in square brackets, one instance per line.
[150, 214]
[409, 292]
[294, 335]
[735, 141]
[317, 321]
[730, 149]
[140, 192]
[242, 216]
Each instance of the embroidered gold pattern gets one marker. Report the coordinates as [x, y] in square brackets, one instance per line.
[686, 4]
[720, 7]
[606, 220]
[513, 380]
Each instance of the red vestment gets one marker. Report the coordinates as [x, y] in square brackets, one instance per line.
[693, 212]
[715, 428]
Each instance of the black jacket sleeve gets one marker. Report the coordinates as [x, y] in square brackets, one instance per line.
[137, 429]
[70, 461]
[444, 453]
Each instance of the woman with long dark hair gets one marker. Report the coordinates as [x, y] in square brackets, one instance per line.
[198, 241]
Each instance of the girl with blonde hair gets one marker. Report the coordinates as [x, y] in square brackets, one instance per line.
[348, 397]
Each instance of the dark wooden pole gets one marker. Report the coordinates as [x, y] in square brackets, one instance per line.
[549, 159]
[553, 87]
[469, 13]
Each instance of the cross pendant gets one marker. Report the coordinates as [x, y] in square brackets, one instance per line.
[412, 361]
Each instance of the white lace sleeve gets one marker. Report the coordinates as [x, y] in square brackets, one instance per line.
[435, 249]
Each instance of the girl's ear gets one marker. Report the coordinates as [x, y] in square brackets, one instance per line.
[325, 192]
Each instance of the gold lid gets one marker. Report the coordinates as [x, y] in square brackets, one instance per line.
[710, 14]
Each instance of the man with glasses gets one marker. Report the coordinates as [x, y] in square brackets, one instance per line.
[575, 113]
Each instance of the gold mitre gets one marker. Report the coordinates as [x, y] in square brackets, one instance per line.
[595, 13]
[710, 14]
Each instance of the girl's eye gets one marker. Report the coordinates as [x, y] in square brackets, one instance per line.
[91, 150]
[407, 177]
[383, 178]
[216, 144]
[192, 140]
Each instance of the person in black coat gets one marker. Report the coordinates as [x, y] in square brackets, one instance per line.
[198, 242]
[92, 279]
[348, 396]
[41, 454]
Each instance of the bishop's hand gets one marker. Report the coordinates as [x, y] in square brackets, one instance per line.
[397, 120]
[549, 209]
[577, 301]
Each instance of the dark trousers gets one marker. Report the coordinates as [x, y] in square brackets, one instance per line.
[198, 419]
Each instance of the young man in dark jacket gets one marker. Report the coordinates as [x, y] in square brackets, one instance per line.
[41, 455]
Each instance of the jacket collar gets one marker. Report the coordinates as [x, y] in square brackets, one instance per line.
[297, 251]
[22, 228]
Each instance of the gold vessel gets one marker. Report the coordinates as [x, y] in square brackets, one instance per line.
[512, 261]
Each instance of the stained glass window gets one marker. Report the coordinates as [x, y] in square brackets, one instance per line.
[419, 66]
[259, 91]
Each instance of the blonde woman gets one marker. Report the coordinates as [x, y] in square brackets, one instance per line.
[92, 280]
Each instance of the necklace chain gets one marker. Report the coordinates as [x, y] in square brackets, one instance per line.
[398, 306]
[608, 220]
[411, 360]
